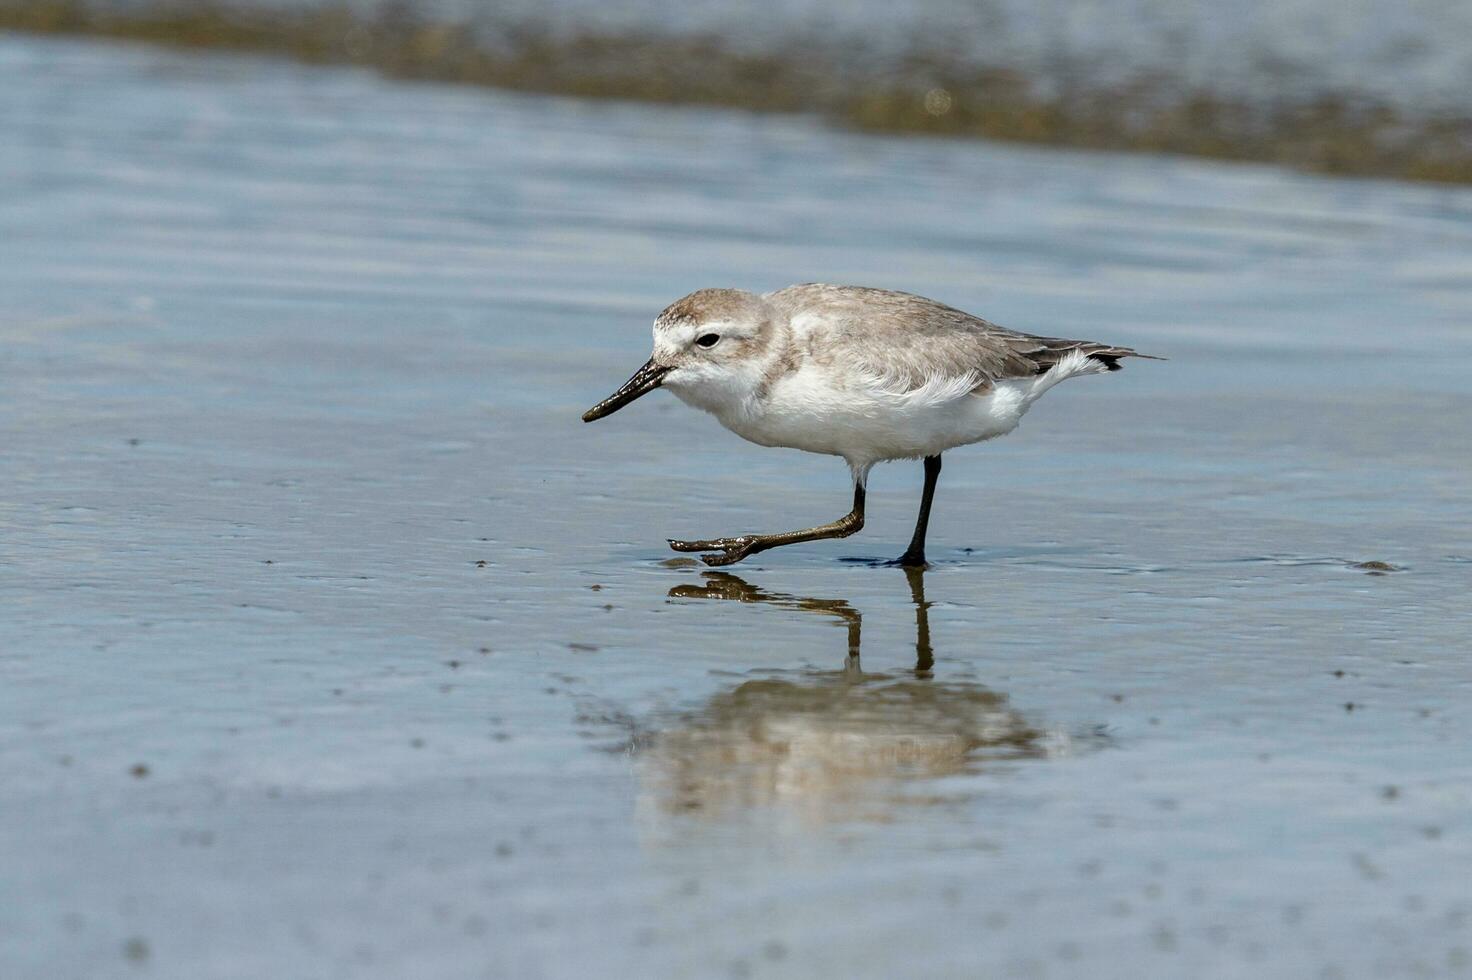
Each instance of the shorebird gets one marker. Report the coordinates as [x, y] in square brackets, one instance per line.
[867, 374]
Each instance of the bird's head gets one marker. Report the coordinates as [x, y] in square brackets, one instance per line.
[709, 349]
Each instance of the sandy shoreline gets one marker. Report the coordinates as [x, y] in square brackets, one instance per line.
[922, 90]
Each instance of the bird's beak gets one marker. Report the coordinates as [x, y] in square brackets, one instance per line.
[645, 380]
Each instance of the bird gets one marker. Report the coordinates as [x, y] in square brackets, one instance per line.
[866, 374]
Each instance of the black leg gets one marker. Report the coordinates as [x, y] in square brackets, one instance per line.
[914, 555]
[733, 550]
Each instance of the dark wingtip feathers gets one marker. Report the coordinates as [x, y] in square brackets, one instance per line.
[1043, 360]
[1110, 357]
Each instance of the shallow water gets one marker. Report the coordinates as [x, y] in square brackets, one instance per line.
[335, 645]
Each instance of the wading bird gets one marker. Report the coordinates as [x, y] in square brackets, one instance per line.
[867, 374]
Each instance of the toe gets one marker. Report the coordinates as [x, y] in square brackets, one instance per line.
[734, 552]
[710, 544]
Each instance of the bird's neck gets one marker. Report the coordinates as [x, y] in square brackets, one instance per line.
[776, 361]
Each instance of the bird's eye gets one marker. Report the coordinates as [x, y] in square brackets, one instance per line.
[708, 340]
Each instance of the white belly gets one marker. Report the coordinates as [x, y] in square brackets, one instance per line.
[867, 426]
[870, 425]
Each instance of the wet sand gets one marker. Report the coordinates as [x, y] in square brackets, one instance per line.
[335, 645]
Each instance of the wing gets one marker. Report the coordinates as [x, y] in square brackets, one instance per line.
[906, 342]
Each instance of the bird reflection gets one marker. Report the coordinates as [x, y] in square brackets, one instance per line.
[829, 743]
[724, 585]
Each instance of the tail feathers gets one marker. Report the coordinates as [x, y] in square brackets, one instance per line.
[1108, 355]
[1062, 363]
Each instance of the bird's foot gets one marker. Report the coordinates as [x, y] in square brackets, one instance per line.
[910, 559]
[731, 550]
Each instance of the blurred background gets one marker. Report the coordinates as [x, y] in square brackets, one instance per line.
[1365, 87]
[333, 644]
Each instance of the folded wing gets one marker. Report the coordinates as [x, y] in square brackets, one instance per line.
[906, 342]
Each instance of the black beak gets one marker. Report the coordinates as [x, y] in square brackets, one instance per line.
[645, 380]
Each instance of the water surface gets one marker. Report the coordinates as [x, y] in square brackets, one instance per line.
[335, 645]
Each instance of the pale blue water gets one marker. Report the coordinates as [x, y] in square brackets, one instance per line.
[299, 517]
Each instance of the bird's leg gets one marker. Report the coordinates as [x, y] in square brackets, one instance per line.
[914, 556]
[732, 550]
